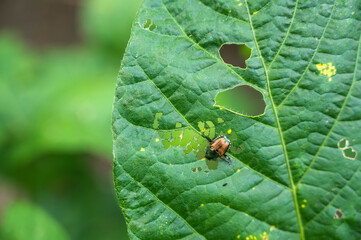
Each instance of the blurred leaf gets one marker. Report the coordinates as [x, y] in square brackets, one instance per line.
[107, 23]
[61, 103]
[296, 172]
[23, 221]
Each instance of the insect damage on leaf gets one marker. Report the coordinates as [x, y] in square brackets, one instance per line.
[149, 25]
[243, 100]
[156, 118]
[235, 54]
[192, 141]
[338, 214]
[347, 151]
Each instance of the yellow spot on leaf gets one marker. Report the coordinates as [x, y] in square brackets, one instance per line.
[265, 236]
[229, 131]
[203, 130]
[239, 4]
[157, 140]
[353, 13]
[326, 69]
[202, 205]
[170, 164]
[230, 11]
[253, 188]
[238, 236]
[142, 149]
[238, 170]
[203, 159]
[304, 200]
[220, 108]
[303, 205]
[272, 228]
[255, 12]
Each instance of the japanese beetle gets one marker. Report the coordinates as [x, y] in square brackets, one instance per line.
[218, 148]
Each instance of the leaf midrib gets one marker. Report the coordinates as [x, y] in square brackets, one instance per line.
[293, 187]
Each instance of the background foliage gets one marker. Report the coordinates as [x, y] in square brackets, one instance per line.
[55, 110]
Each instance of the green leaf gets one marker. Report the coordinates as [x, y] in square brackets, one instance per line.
[23, 221]
[292, 177]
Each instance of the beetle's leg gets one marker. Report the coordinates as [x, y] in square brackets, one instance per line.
[227, 159]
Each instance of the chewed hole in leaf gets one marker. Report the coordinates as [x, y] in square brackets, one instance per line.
[243, 100]
[350, 153]
[212, 164]
[156, 120]
[191, 141]
[235, 54]
[343, 143]
[338, 214]
[347, 151]
[149, 25]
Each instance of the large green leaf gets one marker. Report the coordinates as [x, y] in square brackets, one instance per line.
[296, 173]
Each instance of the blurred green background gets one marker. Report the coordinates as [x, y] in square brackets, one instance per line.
[59, 61]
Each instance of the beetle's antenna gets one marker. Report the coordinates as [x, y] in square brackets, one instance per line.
[208, 139]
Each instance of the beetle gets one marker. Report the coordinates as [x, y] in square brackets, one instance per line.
[218, 147]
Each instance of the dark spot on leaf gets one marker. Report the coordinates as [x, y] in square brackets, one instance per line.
[224, 184]
[235, 54]
[338, 214]
[243, 100]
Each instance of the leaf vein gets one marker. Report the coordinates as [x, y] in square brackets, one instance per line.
[293, 189]
[284, 40]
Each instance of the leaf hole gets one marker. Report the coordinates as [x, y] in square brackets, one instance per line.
[349, 153]
[197, 169]
[343, 144]
[244, 100]
[212, 164]
[338, 214]
[156, 120]
[149, 25]
[235, 54]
